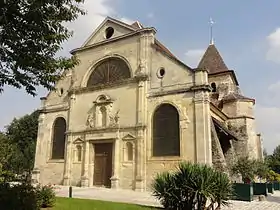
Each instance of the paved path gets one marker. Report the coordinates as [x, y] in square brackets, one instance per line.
[145, 198]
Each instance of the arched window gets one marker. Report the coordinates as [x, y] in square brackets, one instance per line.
[110, 70]
[79, 153]
[166, 131]
[129, 151]
[58, 139]
[214, 87]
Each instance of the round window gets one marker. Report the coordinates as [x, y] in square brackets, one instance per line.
[109, 32]
[161, 73]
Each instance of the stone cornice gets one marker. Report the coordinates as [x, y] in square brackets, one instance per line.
[181, 90]
[133, 80]
[108, 129]
[56, 109]
[205, 87]
[169, 92]
[241, 117]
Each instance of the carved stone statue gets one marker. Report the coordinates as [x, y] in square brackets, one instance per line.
[90, 121]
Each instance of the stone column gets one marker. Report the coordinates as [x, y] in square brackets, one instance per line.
[68, 162]
[85, 178]
[116, 165]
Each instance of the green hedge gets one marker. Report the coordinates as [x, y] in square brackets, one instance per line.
[25, 197]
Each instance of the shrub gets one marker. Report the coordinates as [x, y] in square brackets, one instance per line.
[18, 197]
[249, 168]
[46, 196]
[244, 167]
[191, 186]
[272, 176]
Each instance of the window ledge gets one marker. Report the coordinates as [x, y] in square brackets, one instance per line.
[166, 158]
[77, 162]
[56, 161]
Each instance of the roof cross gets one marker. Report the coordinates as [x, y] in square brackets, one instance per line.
[211, 31]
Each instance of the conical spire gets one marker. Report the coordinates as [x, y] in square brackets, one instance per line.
[212, 60]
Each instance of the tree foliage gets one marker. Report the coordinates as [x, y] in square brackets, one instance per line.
[249, 168]
[32, 33]
[273, 160]
[18, 146]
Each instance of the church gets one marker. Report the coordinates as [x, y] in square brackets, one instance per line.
[131, 109]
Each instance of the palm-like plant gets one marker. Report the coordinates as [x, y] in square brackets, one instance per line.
[191, 186]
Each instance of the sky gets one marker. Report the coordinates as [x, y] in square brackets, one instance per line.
[247, 34]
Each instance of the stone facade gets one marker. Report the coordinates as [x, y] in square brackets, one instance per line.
[110, 127]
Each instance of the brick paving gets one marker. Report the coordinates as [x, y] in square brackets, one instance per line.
[144, 198]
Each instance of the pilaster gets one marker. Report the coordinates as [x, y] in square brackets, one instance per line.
[39, 155]
[116, 167]
[85, 177]
[68, 156]
[202, 117]
[67, 166]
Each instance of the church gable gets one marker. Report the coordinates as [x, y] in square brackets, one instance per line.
[60, 94]
[109, 29]
[168, 71]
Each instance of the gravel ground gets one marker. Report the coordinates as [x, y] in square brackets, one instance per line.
[145, 198]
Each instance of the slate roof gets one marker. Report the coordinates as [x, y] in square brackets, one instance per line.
[235, 96]
[212, 60]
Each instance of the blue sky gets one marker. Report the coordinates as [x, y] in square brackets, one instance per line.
[245, 32]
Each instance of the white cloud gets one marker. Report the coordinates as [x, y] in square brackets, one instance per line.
[97, 11]
[273, 40]
[275, 87]
[193, 57]
[267, 117]
[267, 120]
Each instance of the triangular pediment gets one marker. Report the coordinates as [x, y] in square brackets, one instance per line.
[78, 141]
[128, 137]
[118, 28]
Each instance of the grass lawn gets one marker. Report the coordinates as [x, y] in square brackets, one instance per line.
[83, 204]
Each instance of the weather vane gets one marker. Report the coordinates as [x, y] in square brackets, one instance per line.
[211, 31]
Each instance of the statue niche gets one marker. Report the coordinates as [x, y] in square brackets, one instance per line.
[102, 115]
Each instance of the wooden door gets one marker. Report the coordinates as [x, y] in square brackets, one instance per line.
[102, 164]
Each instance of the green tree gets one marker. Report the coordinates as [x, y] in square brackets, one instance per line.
[244, 167]
[31, 35]
[21, 136]
[273, 160]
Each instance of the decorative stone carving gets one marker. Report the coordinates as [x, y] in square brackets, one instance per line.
[90, 121]
[128, 137]
[141, 68]
[114, 119]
